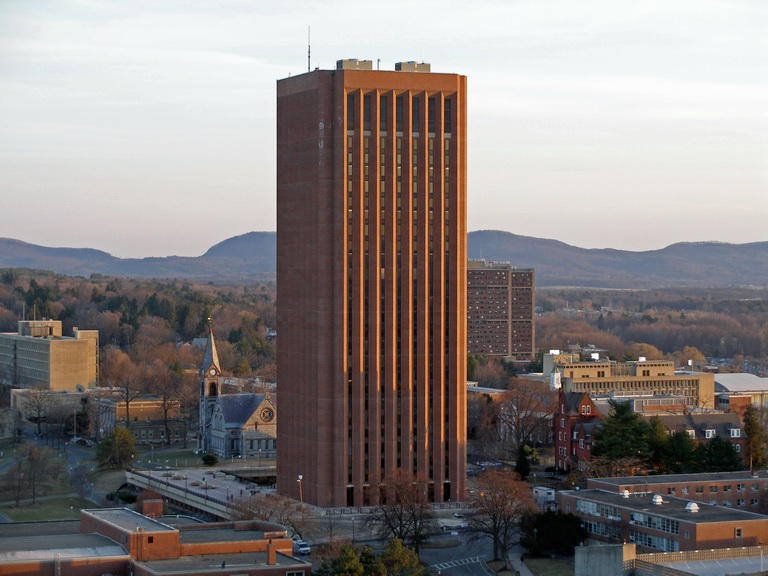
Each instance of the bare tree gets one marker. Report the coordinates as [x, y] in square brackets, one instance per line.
[78, 479]
[13, 483]
[524, 412]
[406, 514]
[41, 469]
[270, 508]
[39, 402]
[500, 501]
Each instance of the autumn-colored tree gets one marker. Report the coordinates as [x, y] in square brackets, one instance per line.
[638, 350]
[117, 449]
[400, 560]
[499, 503]
[119, 371]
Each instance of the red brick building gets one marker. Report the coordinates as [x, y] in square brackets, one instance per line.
[662, 523]
[743, 490]
[579, 414]
[371, 268]
[119, 541]
[575, 420]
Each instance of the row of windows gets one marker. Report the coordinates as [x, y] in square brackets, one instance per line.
[399, 113]
[656, 522]
[597, 509]
[654, 542]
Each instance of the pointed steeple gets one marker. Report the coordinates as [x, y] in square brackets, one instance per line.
[211, 357]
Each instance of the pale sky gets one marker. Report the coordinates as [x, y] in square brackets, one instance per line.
[147, 127]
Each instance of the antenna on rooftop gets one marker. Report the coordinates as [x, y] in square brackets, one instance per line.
[309, 49]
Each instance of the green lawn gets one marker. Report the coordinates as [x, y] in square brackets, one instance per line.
[550, 567]
[64, 508]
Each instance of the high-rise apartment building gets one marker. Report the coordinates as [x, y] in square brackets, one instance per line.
[501, 306]
[371, 302]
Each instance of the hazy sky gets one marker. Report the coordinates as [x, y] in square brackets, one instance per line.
[147, 127]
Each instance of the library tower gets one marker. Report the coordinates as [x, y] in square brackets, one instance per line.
[371, 283]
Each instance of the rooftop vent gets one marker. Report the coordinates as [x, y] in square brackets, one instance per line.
[692, 507]
[657, 500]
[625, 493]
[354, 64]
[412, 66]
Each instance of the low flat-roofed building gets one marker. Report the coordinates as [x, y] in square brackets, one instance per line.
[122, 542]
[662, 523]
[742, 490]
[18, 552]
[736, 391]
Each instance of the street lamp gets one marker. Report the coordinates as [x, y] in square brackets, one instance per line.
[301, 494]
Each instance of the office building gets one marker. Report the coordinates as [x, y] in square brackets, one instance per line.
[500, 310]
[371, 304]
[39, 356]
[642, 377]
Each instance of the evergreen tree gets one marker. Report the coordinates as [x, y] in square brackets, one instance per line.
[717, 455]
[621, 443]
[372, 563]
[756, 438]
[523, 465]
[347, 563]
[681, 453]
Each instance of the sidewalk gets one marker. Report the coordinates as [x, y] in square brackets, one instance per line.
[517, 564]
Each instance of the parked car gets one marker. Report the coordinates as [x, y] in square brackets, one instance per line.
[301, 547]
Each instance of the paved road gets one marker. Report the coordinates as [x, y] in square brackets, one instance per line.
[468, 558]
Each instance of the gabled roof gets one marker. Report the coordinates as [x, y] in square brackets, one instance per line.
[238, 408]
[572, 402]
[722, 424]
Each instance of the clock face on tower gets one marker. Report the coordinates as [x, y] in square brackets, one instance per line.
[267, 414]
[212, 372]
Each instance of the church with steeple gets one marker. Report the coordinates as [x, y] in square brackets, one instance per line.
[240, 425]
[210, 374]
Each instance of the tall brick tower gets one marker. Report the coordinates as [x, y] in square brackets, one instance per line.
[371, 299]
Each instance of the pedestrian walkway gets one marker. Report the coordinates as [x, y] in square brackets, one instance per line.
[517, 564]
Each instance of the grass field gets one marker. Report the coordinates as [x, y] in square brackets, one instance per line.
[550, 567]
[64, 508]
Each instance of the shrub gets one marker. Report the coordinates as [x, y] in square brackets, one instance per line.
[210, 459]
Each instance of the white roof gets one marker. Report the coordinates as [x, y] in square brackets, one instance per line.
[741, 382]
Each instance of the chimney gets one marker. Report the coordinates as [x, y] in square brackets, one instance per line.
[271, 554]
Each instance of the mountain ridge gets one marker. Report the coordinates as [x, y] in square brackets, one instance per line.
[252, 257]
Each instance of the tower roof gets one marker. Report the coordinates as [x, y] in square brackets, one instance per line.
[211, 357]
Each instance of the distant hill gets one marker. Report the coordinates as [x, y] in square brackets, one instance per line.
[252, 257]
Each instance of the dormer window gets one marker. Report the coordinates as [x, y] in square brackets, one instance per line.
[735, 432]
[691, 434]
[710, 433]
